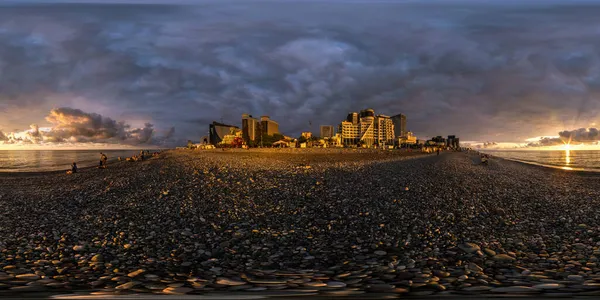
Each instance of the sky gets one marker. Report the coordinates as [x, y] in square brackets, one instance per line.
[157, 72]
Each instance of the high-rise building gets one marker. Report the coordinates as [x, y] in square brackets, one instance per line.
[367, 129]
[453, 142]
[326, 131]
[268, 126]
[399, 121]
[250, 129]
[384, 130]
[218, 131]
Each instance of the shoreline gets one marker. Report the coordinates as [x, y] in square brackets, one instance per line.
[579, 171]
[196, 222]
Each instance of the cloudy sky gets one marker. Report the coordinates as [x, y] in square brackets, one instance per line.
[501, 71]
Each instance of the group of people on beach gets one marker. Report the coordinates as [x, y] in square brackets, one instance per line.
[104, 160]
[140, 157]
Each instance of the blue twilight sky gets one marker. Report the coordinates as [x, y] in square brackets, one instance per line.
[159, 72]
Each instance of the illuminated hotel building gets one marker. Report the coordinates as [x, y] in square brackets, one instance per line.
[366, 128]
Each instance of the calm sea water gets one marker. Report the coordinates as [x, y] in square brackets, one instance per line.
[574, 159]
[52, 160]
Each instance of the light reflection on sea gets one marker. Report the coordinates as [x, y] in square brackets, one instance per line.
[588, 160]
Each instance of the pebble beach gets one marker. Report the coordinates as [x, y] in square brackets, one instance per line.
[307, 222]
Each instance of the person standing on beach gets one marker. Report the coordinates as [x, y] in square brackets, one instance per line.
[103, 160]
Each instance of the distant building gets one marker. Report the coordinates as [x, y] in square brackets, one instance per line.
[399, 121]
[307, 135]
[327, 131]
[268, 126]
[366, 129]
[409, 138]
[218, 132]
[250, 129]
[453, 142]
[438, 141]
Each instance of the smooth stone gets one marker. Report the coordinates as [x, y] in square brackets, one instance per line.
[380, 252]
[267, 281]
[97, 258]
[469, 247]
[136, 273]
[127, 286]
[479, 288]
[28, 288]
[78, 248]
[343, 292]
[336, 284]
[549, 286]
[315, 284]
[516, 289]
[230, 282]
[177, 290]
[257, 289]
[441, 274]
[152, 286]
[28, 277]
[382, 287]
[575, 277]
[421, 293]
[474, 267]
[503, 258]
[489, 252]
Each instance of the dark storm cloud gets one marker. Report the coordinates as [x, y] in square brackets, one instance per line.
[577, 136]
[581, 135]
[483, 72]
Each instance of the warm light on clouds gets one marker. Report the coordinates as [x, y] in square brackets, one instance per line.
[76, 128]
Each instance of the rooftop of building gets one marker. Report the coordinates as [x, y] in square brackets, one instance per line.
[222, 124]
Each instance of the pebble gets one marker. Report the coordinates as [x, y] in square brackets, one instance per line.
[336, 284]
[575, 277]
[516, 290]
[503, 258]
[177, 290]
[548, 286]
[136, 273]
[28, 277]
[469, 247]
[127, 286]
[231, 282]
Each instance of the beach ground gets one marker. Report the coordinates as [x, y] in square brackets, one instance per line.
[307, 221]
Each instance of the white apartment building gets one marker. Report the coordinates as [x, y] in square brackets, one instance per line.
[365, 128]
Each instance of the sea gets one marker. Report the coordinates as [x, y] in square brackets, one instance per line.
[54, 160]
[580, 160]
